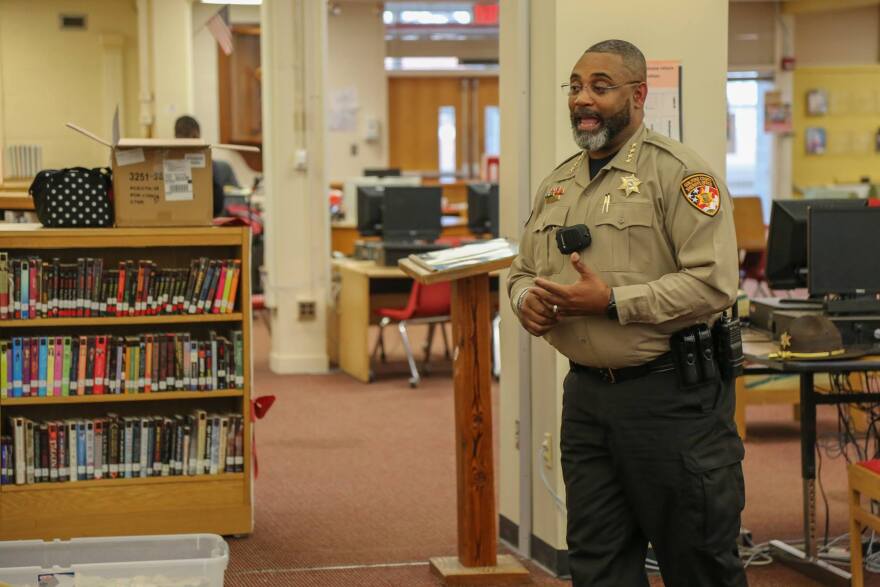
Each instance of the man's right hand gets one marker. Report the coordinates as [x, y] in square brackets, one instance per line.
[536, 317]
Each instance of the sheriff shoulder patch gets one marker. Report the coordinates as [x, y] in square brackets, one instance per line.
[701, 192]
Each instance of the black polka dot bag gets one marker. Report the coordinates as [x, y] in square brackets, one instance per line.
[74, 198]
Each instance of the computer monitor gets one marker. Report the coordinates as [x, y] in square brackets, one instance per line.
[382, 172]
[787, 241]
[840, 256]
[350, 186]
[483, 208]
[412, 214]
[369, 210]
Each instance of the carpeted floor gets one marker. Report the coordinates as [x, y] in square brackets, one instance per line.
[357, 482]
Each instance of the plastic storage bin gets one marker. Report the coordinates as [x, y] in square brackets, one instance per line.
[183, 560]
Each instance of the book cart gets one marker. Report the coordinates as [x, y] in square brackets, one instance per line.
[201, 499]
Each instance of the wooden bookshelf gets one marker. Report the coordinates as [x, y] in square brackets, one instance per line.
[120, 397]
[221, 504]
[122, 321]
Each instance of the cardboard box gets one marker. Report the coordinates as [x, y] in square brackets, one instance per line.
[161, 182]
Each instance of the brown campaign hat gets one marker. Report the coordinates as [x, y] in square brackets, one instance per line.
[813, 338]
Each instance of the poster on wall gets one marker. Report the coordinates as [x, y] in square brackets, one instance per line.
[815, 139]
[777, 114]
[663, 106]
[817, 102]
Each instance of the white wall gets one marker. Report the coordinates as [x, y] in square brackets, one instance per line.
[356, 60]
[49, 77]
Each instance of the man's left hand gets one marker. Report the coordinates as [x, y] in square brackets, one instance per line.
[589, 295]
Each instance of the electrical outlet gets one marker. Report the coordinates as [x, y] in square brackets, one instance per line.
[547, 450]
[306, 309]
[516, 434]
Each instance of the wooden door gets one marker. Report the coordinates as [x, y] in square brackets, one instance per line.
[413, 111]
[240, 93]
[414, 105]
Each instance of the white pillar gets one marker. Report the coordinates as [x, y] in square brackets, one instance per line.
[294, 34]
[171, 41]
[782, 184]
[535, 121]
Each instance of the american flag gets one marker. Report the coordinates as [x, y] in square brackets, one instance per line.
[219, 27]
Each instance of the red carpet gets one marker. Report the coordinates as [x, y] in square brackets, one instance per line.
[357, 483]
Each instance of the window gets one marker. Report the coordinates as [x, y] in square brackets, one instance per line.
[446, 138]
[492, 130]
[749, 156]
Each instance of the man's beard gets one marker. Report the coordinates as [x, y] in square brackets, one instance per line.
[599, 139]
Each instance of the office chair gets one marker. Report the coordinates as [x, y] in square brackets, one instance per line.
[427, 304]
[751, 240]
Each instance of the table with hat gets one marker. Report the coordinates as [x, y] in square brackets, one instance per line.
[811, 344]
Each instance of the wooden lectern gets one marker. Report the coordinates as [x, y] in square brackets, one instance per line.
[478, 562]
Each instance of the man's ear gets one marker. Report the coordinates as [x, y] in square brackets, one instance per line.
[640, 94]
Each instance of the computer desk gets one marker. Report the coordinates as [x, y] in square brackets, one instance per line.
[756, 346]
[361, 288]
[343, 235]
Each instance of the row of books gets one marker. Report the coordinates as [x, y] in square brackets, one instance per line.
[115, 447]
[32, 288]
[40, 366]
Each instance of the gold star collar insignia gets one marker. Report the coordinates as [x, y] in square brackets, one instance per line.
[630, 184]
[785, 341]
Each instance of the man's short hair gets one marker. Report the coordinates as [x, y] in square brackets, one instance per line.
[633, 59]
[187, 127]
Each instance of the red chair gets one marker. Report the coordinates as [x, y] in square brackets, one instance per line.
[428, 304]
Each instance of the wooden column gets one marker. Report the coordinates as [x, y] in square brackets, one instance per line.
[478, 562]
[471, 332]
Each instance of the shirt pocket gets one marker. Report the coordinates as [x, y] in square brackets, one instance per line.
[548, 259]
[625, 233]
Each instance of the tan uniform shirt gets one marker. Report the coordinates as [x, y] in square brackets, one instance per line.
[662, 238]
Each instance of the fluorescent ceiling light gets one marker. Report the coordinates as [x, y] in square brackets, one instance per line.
[462, 16]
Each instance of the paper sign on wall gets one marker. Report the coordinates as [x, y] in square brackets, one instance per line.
[663, 106]
[342, 114]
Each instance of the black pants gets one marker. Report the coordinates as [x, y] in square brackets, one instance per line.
[644, 460]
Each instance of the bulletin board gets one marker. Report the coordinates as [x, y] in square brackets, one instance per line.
[836, 125]
[663, 106]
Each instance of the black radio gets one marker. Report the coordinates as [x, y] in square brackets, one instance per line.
[573, 239]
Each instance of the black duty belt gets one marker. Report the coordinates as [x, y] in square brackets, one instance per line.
[661, 364]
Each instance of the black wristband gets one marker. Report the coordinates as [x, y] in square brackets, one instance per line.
[611, 308]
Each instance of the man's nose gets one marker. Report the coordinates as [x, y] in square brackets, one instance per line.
[584, 97]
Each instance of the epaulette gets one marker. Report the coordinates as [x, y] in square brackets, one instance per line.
[674, 148]
[567, 160]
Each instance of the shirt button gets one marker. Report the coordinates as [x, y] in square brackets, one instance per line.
[620, 221]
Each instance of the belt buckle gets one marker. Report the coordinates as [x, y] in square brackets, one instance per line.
[608, 375]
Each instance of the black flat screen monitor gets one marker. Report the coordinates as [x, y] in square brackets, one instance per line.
[483, 208]
[382, 172]
[412, 214]
[841, 253]
[787, 241]
[369, 211]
